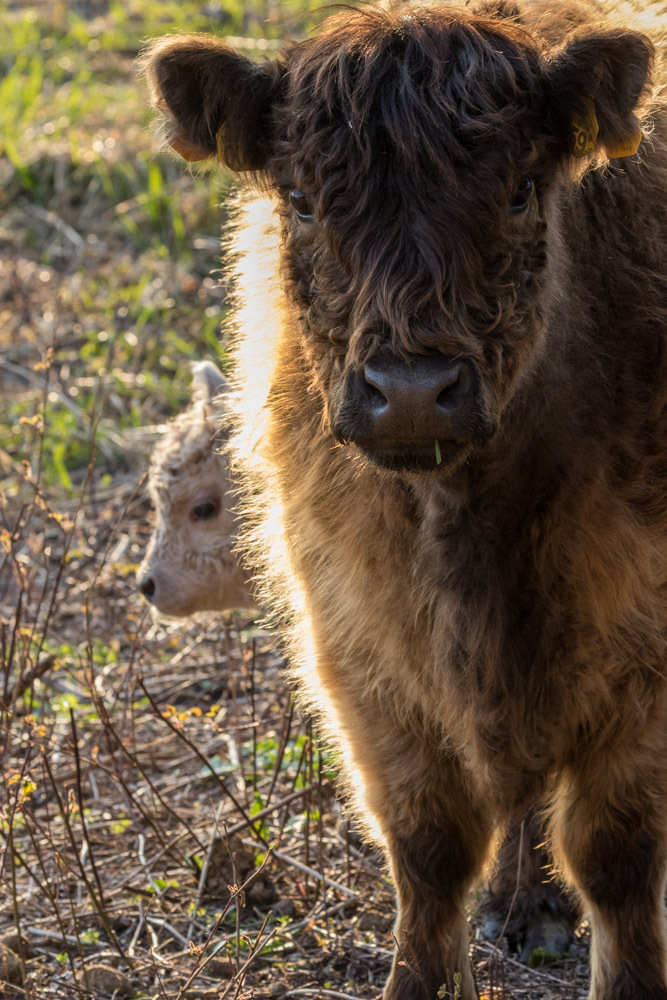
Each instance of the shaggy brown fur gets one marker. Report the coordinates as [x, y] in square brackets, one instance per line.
[474, 587]
[190, 564]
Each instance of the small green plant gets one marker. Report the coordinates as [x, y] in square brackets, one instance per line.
[89, 936]
[542, 956]
[453, 990]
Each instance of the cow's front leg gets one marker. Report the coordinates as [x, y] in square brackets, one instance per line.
[611, 836]
[434, 860]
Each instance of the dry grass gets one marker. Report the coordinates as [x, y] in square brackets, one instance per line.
[170, 827]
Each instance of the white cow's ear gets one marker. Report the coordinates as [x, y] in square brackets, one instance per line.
[208, 382]
[594, 85]
[215, 101]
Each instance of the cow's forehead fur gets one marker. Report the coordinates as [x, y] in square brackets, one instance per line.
[409, 134]
[188, 453]
[421, 88]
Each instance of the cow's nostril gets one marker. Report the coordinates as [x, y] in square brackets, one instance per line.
[448, 392]
[376, 397]
[147, 587]
[446, 396]
[458, 385]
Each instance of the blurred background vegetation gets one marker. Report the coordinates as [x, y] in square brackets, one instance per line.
[108, 246]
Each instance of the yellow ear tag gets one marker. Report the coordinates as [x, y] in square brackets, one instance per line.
[628, 148]
[187, 150]
[585, 131]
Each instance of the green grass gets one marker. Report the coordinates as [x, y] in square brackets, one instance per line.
[62, 73]
[109, 245]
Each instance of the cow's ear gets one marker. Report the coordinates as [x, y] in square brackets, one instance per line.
[593, 88]
[208, 382]
[215, 101]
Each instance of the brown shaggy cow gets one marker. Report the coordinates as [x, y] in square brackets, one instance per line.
[452, 436]
[190, 566]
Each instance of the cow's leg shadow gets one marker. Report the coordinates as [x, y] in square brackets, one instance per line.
[524, 902]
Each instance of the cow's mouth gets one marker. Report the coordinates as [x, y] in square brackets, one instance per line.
[428, 457]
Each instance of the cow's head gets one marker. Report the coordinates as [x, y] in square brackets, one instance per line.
[415, 156]
[190, 564]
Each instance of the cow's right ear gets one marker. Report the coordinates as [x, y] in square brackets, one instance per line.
[215, 101]
[594, 85]
[208, 382]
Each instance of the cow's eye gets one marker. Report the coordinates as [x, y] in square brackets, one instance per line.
[301, 206]
[205, 511]
[522, 197]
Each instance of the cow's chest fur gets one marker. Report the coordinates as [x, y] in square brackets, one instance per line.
[490, 627]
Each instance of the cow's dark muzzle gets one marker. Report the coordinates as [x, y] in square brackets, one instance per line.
[418, 413]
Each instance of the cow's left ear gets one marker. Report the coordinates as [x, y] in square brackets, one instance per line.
[208, 382]
[593, 87]
[215, 101]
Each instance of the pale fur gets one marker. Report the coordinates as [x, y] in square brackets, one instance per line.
[190, 563]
